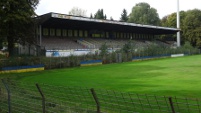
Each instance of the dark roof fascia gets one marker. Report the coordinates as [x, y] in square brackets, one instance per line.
[43, 18]
[80, 18]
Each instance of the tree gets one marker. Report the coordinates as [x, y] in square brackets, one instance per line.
[128, 47]
[104, 50]
[187, 45]
[100, 14]
[142, 13]
[171, 21]
[105, 17]
[77, 12]
[91, 16]
[192, 27]
[16, 21]
[124, 16]
[111, 19]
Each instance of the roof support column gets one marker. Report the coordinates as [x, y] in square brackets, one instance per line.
[40, 34]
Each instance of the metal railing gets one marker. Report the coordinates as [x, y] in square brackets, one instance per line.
[16, 97]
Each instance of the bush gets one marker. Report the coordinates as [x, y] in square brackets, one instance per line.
[123, 55]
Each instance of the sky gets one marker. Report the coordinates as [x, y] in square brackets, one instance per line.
[114, 8]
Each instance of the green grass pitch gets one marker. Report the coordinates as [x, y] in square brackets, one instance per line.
[166, 77]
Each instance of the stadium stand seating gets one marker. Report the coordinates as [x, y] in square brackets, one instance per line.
[58, 43]
[111, 43]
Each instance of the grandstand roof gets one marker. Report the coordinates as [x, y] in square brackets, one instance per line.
[63, 21]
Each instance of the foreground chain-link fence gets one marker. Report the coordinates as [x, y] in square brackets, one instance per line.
[16, 97]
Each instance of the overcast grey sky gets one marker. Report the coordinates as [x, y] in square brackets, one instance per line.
[113, 8]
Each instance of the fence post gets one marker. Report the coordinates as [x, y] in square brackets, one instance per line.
[60, 61]
[96, 99]
[8, 92]
[43, 97]
[171, 104]
[50, 62]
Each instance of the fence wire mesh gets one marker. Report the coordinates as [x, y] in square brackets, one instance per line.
[68, 99]
[22, 97]
[129, 103]
[187, 105]
[3, 99]
[16, 97]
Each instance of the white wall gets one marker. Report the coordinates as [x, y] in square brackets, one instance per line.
[65, 53]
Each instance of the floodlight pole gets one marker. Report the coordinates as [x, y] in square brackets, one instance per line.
[178, 25]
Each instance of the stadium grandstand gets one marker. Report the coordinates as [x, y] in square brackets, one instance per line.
[67, 34]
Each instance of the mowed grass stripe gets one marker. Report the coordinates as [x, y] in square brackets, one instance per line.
[169, 77]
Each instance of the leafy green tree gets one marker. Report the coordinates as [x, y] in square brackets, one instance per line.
[192, 27]
[124, 16]
[143, 13]
[128, 47]
[171, 21]
[187, 45]
[77, 12]
[128, 50]
[100, 14]
[16, 21]
[164, 21]
[104, 50]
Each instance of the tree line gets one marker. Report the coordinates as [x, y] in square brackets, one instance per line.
[143, 13]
